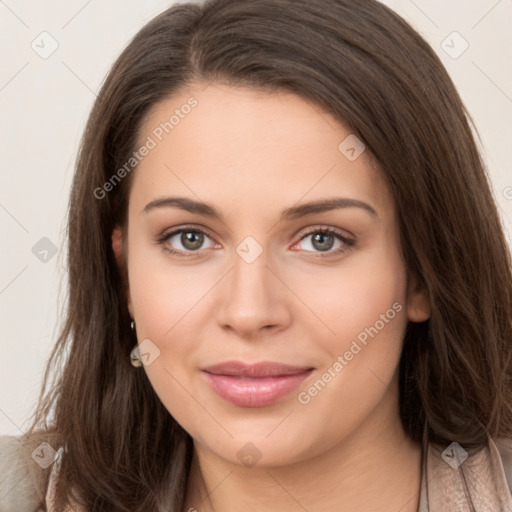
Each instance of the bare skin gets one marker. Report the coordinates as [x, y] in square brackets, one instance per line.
[251, 155]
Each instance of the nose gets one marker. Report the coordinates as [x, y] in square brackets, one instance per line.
[254, 299]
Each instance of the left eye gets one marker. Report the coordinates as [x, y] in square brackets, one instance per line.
[323, 240]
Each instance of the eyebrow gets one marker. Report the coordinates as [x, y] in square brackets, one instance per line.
[294, 212]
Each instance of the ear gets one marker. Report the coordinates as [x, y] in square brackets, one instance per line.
[418, 302]
[118, 248]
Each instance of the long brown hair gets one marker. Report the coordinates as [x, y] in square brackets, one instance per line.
[366, 66]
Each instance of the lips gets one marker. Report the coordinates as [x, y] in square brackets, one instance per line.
[254, 385]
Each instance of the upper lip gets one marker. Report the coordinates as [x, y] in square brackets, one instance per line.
[261, 369]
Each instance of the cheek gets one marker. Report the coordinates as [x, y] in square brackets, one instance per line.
[166, 306]
[168, 303]
[358, 371]
[362, 304]
[346, 299]
[164, 295]
[369, 321]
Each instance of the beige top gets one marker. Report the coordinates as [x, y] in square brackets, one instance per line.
[481, 482]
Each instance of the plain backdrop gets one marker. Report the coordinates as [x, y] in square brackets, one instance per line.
[44, 103]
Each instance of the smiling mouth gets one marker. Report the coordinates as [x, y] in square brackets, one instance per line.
[254, 385]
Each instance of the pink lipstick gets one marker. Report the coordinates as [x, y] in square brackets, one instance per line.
[254, 385]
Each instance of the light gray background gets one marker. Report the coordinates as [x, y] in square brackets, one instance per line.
[44, 103]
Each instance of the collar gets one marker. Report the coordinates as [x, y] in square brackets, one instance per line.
[454, 480]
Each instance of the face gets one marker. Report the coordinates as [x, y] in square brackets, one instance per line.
[318, 295]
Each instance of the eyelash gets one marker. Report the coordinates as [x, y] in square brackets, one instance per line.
[348, 243]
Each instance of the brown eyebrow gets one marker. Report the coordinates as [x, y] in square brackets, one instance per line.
[294, 212]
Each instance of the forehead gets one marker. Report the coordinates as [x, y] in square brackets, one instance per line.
[227, 144]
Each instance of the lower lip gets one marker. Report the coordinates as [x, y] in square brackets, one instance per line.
[254, 392]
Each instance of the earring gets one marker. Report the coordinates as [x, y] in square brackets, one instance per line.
[134, 358]
[136, 362]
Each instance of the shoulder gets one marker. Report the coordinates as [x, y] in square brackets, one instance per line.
[18, 485]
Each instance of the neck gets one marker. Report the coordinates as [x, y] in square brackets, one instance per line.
[374, 469]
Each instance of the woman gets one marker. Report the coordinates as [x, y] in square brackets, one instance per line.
[289, 286]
